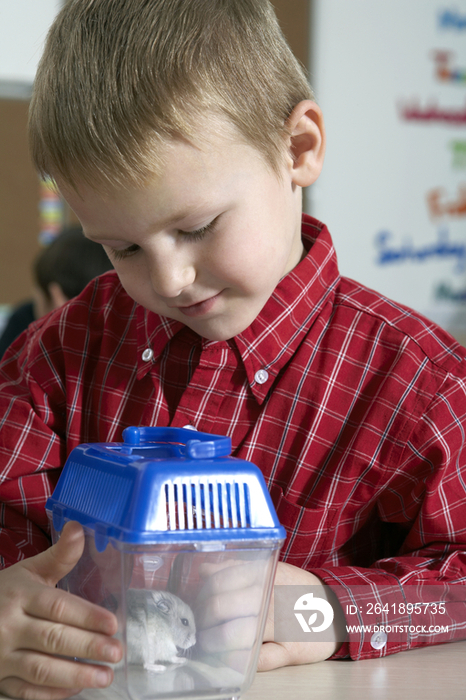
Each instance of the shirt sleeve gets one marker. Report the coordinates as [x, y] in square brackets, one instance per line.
[416, 597]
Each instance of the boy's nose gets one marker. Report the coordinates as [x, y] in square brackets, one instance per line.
[171, 275]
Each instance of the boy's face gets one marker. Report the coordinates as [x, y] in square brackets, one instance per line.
[207, 241]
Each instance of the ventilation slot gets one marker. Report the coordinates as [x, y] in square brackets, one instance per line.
[90, 491]
[207, 505]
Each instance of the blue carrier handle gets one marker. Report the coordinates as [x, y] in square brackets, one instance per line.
[198, 445]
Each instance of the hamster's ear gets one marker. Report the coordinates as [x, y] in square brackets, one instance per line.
[307, 142]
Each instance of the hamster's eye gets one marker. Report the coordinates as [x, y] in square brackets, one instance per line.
[185, 622]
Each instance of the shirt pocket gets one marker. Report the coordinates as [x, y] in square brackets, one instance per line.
[309, 542]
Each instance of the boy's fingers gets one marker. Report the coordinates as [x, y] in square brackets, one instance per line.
[53, 564]
[237, 576]
[272, 656]
[232, 635]
[231, 604]
[62, 640]
[43, 670]
[55, 605]
[17, 688]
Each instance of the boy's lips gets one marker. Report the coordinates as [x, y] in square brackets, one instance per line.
[200, 308]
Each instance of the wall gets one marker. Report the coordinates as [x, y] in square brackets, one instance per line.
[23, 26]
[294, 21]
[391, 80]
[19, 204]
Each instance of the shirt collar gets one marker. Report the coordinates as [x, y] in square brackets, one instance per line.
[273, 337]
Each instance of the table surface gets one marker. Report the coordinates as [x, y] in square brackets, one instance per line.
[432, 673]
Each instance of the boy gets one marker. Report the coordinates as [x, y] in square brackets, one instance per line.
[182, 133]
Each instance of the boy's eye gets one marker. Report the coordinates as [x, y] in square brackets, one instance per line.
[200, 232]
[191, 235]
[125, 253]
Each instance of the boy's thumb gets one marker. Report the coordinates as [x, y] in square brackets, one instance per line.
[53, 564]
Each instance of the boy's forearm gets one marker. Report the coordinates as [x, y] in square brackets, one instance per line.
[385, 614]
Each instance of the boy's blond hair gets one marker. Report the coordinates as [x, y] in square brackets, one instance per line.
[120, 77]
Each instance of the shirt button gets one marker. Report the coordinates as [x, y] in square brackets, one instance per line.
[147, 355]
[189, 427]
[378, 640]
[261, 376]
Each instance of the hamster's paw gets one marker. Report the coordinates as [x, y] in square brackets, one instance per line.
[155, 668]
[178, 660]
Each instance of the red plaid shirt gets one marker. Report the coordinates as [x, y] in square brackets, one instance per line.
[353, 407]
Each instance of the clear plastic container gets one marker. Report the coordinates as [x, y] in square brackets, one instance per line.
[182, 543]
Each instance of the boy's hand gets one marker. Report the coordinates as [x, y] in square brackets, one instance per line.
[275, 654]
[227, 610]
[39, 621]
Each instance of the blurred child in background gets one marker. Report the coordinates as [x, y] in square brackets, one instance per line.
[60, 272]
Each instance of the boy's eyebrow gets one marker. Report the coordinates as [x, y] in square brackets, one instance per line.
[179, 216]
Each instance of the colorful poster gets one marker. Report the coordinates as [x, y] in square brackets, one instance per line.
[52, 212]
[391, 80]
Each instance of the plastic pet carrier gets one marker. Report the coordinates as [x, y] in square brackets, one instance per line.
[181, 542]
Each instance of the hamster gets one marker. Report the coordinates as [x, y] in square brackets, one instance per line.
[159, 626]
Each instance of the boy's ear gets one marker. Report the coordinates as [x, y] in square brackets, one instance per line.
[307, 142]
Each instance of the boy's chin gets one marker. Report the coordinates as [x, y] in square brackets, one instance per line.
[218, 330]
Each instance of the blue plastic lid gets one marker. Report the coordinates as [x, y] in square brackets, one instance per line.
[164, 485]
